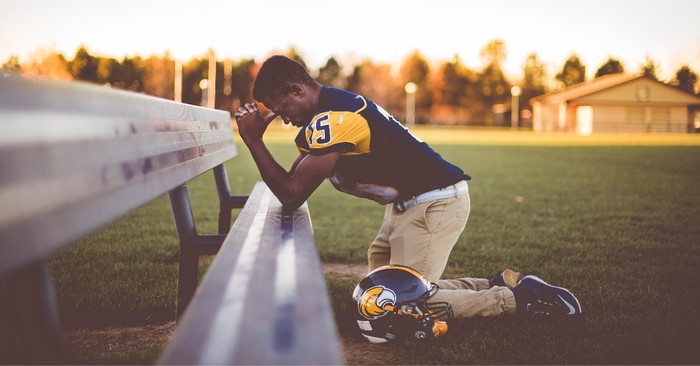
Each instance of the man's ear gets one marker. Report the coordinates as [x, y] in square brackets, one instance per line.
[296, 90]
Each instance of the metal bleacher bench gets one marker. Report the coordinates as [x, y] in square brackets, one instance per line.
[75, 157]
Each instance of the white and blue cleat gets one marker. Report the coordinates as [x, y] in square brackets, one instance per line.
[533, 296]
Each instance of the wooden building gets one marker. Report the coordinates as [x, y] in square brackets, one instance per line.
[616, 103]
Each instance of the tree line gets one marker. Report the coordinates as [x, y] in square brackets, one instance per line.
[448, 93]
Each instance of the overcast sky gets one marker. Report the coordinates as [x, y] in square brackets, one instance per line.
[382, 30]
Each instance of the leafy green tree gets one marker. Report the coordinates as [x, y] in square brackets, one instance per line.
[611, 66]
[107, 70]
[534, 82]
[330, 74]
[193, 72]
[84, 66]
[416, 69]
[494, 52]
[455, 84]
[686, 79]
[649, 67]
[130, 74]
[353, 82]
[494, 87]
[573, 72]
[296, 56]
[242, 80]
[455, 94]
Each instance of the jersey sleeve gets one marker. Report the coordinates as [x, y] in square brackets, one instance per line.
[344, 132]
[302, 142]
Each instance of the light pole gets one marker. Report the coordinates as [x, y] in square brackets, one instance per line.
[515, 109]
[411, 88]
[204, 85]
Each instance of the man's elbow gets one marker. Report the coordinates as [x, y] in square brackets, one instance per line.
[291, 200]
[290, 205]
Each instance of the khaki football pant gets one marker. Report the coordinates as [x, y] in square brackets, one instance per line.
[422, 238]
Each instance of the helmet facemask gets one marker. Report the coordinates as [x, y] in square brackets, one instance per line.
[420, 319]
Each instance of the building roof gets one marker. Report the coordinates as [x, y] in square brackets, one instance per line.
[605, 82]
[589, 87]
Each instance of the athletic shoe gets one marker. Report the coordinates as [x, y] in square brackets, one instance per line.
[536, 297]
[508, 278]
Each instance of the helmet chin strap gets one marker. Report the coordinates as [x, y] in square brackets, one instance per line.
[396, 311]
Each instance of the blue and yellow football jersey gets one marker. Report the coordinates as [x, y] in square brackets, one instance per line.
[380, 159]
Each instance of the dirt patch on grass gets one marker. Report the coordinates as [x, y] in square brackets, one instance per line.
[114, 342]
[119, 340]
[353, 271]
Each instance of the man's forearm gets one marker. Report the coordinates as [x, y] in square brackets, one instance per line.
[277, 178]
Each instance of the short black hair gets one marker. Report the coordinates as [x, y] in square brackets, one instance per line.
[276, 74]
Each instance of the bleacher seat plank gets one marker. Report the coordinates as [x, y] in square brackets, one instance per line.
[233, 319]
[75, 156]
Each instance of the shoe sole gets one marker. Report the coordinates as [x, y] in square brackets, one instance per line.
[568, 302]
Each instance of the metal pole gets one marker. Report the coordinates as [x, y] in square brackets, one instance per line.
[37, 315]
[411, 103]
[515, 108]
[189, 259]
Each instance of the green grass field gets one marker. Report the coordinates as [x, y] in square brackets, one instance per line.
[616, 219]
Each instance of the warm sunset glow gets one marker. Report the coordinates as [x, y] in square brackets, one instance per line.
[384, 30]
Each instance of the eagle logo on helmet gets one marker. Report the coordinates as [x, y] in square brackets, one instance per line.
[373, 301]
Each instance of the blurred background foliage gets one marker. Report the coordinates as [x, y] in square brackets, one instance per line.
[448, 92]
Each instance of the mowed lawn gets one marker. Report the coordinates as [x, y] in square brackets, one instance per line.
[614, 218]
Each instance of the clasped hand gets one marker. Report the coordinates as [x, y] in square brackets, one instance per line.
[251, 123]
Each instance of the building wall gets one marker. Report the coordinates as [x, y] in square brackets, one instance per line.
[641, 91]
[640, 105]
[640, 119]
[545, 117]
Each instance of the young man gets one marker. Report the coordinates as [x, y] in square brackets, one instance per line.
[364, 151]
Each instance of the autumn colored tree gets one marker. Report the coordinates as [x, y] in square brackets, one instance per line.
[375, 81]
[47, 63]
[12, 64]
[573, 72]
[159, 76]
[611, 66]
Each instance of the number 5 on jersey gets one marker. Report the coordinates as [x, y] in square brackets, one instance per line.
[321, 130]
